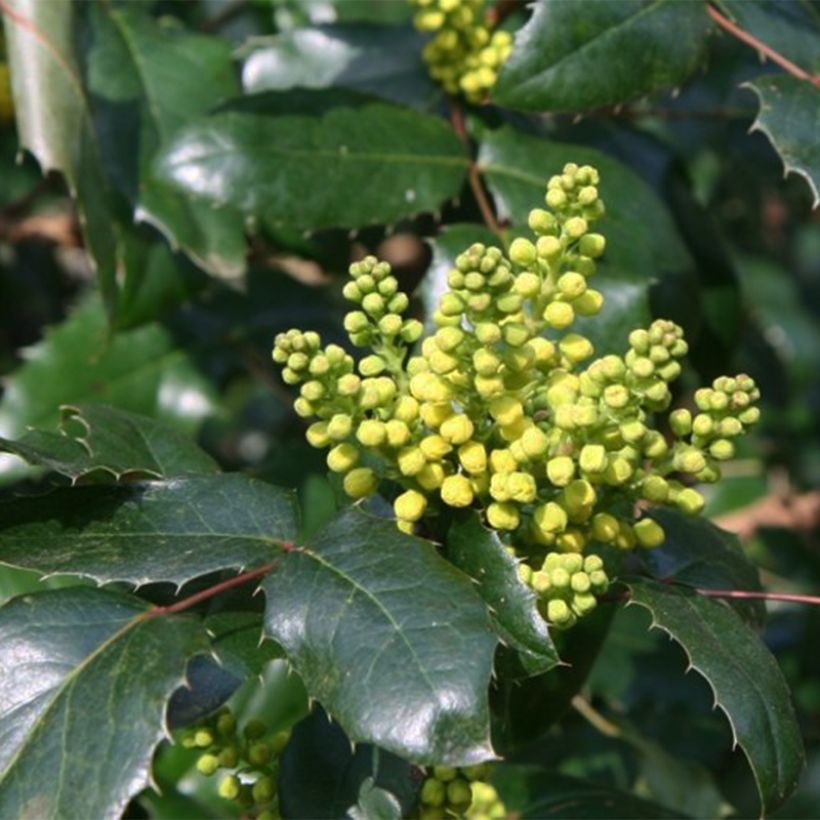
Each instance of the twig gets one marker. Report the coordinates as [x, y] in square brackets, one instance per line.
[216, 589]
[792, 512]
[745, 594]
[750, 40]
[594, 717]
[473, 172]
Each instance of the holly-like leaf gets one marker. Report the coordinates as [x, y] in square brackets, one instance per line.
[322, 774]
[744, 676]
[149, 532]
[533, 792]
[789, 116]
[390, 638]
[238, 642]
[699, 554]
[385, 163]
[55, 120]
[84, 682]
[114, 441]
[148, 80]
[142, 370]
[381, 60]
[642, 243]
[577, 56]
[512, 605]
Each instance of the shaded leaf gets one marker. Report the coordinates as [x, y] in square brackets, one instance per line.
[84, 684]
[699, 554]
[150, 531]
[381, 60]
[208, 686]
[746, 681]
[532, 792]
[385, 163]
[322, 774]
[479, 552]
[389, 637]
[576, 56]
[789, 116]
[112, 440]
[239, 644]
[55, 121]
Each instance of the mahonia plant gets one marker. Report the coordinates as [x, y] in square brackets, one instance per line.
[464, 54]
[447, 792]
[248, 761]
[507, 410]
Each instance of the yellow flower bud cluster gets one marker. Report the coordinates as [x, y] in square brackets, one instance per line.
[254, 752]
[504, 407]
[448, 792]
[566, 586]
[464, 55]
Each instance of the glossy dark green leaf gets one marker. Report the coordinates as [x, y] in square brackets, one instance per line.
[239, 644]
[112, 440]
[576, 56]
[789, 116]
[699, 554]
[391, 639]
[322, 775]
[84, 682]
[746, 681]
[209, 685]
[531, 792]
[142, 370]
[512, 605]
[642, 243]
[151, 531]
[381, 60]
[149, 80]
[55, 120]
[349, 167]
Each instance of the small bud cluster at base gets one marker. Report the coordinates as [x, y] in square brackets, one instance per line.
[448, 792]
[505, 408]
[248, 761]
[464, 54]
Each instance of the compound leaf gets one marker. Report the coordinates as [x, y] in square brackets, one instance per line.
[389, 637]
[385, 162]
[747, 683]
[512, 605]
[576, 56]
[84, 682]
[152, 531]
[790, 117]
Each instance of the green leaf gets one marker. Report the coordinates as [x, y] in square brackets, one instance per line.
[385, 163]
[642, 243]
[789, 116]
[142, 370]
[84, 684]
[55, 121]
[699, 554]
[389, 637]
[533, 792]
[238, 642]
[112, 440]
[381, 60]
[746, 681]
[323, 775]
[148, 532]
[512, 605]
[149, 80]
[577, 56]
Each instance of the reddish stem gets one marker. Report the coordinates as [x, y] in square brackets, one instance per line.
[216, 589]
[758, 595]
[750, 40]
[497, 13]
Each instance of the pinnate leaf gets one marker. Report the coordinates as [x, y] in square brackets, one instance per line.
[146, 532]
[576, 56]
[84, 681]
[389, 637]
[744, 676]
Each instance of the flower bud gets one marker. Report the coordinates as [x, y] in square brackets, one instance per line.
[410, 505]
[649, 533]
[506, 410]
[605, 527]
[560, 470]
[689, 501]
[456, 491]
[360, 482]
[371, 433]
[559, 315]
[550, 518]
[411, 461]
[503, 516]
[522, 252]
[593, 458]
[457, 429]
[229, 787]
[317, 434]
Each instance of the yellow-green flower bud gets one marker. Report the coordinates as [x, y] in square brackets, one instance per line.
[575, 347]
[689, 501]
[702, 424]
[259, 753]
[371, 433]
[433, 792]
[588, 303]
[360, 482]
[605, 527]
[592, 245]
[649, 533]
[263, 790]
[534, 442]
[722, 449]
[559, 315]
[429, 387]
[355, 322]
[411, 461]
[655, 488]
[410, 506]
[550, 518]
[203, 738]
[207, 764]
[690, 460]
[575, 227]
[549, 247]
[572, 285]
[457, 430]
[317, 434]
[430, 477]
[558, 612]
[560, 470]
[411, 330]
[488, 333]
[579, 495]
[390, 325]
[398, 433]
[373, 303]
[506, 410]
[456, 491]
[434, 414]
[434, 447]
[473, 457]
[522, 252]
[527, 284]
[593, 459]
[229, 787]
[406, 409]
[459, 794]
[229, 757]
[503, 516]
[521, 487]
[502, 461]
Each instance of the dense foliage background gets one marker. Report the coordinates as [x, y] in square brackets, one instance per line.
[198, 198]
